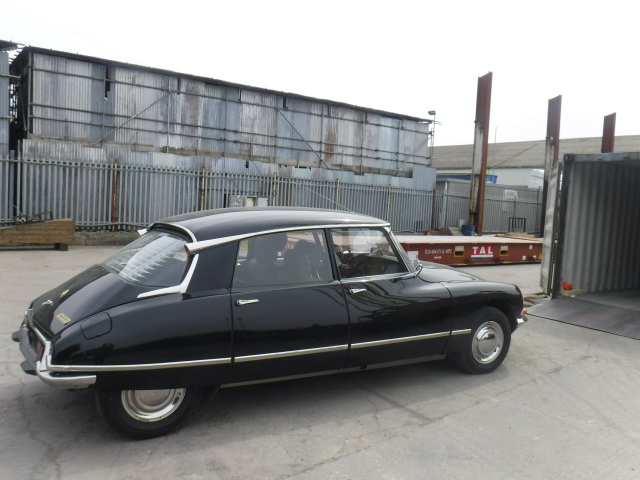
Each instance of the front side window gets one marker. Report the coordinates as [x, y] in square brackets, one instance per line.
[157, 259]
[282, 258]
[362, 252]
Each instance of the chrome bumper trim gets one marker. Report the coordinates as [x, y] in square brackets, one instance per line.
[67, 381]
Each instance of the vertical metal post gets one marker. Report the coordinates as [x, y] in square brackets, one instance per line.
[480, 148]
[114, 197]
[389, 204]
[19, 180]
[608, 133]
[551, 151]
[201, 206]
[29, 115]
[274, 189]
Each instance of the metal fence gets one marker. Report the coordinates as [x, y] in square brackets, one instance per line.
[500, 215]
[127, 197]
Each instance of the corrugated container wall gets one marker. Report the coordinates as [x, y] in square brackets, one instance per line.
[4, 104]
[105, 104]
[601, 224]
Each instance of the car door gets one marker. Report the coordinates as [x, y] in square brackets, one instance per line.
[289, 313]
[394, 315]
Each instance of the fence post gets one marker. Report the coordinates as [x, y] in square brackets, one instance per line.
[274, 192]
[389, 203]
[18, 193]
[202, 185]
[114, 197]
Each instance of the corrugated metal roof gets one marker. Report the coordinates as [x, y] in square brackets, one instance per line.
[24, 55]
[525, 154]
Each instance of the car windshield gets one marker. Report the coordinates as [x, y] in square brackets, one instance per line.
[157, 259]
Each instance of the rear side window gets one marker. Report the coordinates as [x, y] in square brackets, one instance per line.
[157, 259]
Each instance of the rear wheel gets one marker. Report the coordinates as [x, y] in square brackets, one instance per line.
[143, 414]
[488, 343]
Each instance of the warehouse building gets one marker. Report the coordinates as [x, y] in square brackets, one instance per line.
[519, 163]
[115, 144]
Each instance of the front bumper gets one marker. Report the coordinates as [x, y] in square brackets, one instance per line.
[40, 365]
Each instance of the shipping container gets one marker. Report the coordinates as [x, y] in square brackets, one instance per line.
[592, 226]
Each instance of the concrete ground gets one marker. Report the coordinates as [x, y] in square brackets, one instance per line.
[563, 405]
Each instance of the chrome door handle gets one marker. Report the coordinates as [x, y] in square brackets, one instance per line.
[246, 302]
[355, 291]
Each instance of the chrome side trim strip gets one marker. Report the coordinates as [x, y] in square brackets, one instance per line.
[142, 366]
[196, 247]
[461, 332]
[390, 341]
[45, 366]
[290, 353]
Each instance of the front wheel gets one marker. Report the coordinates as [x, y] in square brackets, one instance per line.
[144, 414]
[488, 344]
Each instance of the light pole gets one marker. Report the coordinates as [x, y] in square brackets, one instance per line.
[433, 132]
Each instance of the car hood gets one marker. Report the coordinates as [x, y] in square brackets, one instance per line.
[434, 272]
[92, 291]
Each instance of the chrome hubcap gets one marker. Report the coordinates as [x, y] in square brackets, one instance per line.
[152, 405]
[488, 342]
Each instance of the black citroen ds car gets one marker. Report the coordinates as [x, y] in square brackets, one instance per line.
[230, 296]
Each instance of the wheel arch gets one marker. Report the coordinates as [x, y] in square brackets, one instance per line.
[507, 310]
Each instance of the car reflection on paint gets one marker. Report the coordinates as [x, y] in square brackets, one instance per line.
[235, 296]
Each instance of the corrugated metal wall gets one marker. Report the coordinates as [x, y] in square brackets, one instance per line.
[4, 104]
[602, 227]
[105, 103]
[75, 152]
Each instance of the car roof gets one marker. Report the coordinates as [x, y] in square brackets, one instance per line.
[228, 222]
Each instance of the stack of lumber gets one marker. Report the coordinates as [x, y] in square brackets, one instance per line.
[58, 232]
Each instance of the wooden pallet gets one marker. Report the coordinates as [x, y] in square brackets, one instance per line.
[58, 232]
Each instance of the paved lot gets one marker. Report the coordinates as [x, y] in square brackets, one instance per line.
[563, 405]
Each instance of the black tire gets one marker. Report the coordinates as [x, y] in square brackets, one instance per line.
[488, 343]
[141, 414]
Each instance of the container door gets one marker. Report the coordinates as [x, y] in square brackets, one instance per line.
[549, 242]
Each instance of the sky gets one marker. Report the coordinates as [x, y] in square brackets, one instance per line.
[400, 56]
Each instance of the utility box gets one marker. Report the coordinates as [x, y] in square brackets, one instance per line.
[592, 224]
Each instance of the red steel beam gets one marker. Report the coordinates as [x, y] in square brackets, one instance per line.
[480, 148]
[552, 149]
[608, 133]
